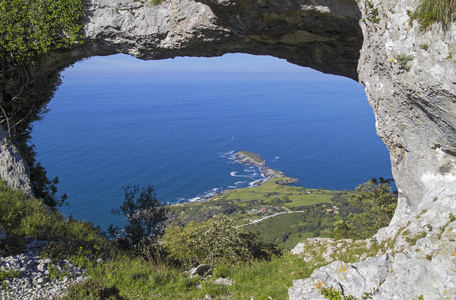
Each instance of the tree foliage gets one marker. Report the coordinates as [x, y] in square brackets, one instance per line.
[29, 30]
[344, 230]
[376, 203]
[145, 215]
[218, 240]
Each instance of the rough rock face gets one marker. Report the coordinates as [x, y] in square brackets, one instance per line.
[321, 34]
[415, 264]
[13, 168]
[409, 75]
[415, 108]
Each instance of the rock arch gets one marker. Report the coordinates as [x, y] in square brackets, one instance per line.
[414, 100]
[415, 109]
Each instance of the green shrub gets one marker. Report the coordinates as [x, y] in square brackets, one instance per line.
[376, 202]
[452, 217]
[218, 240]
[33, 27]
[23, 216]
[425, 47]
[403, 60]
[343, 230]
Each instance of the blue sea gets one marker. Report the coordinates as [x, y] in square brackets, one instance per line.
[178, 133]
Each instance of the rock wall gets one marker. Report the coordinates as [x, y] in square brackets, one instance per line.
[13, 169]
[410, 80]
[415, 109]
[321, 34]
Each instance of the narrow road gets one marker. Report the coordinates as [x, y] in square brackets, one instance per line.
[271, 216]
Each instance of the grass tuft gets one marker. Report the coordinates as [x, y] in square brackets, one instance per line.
[430, 11]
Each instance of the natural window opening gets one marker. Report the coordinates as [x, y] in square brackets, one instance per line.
[176, 123]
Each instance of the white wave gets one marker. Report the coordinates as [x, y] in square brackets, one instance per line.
[256, 182]
[195, 199]
[232, 187]
[239, 182]
[277, 157]
[242, 176]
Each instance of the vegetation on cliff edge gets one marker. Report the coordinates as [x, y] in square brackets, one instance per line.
[29, 30]
[431, 11]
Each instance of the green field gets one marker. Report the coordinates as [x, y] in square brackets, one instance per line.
[272, 197]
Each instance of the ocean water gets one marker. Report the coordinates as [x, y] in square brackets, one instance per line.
[178, 133]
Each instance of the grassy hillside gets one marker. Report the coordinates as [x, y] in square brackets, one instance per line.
[121, 274]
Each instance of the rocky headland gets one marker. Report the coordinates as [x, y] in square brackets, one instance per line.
[250, 158]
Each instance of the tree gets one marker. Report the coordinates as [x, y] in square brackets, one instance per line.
[30, 29]
[376, 202]
[145, 215]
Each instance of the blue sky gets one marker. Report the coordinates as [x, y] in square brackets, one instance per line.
[121, 65]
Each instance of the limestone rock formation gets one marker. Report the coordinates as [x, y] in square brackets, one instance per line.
[410, 80]
[409, 75]
[13, 169]
[413, 265]
[415, 109]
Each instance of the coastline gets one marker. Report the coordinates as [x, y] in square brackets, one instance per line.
[249, 159]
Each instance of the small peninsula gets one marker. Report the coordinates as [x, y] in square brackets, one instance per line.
[250, 158]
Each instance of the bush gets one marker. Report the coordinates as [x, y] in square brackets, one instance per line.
[218, 240]
[343, 230]
[221, 271]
